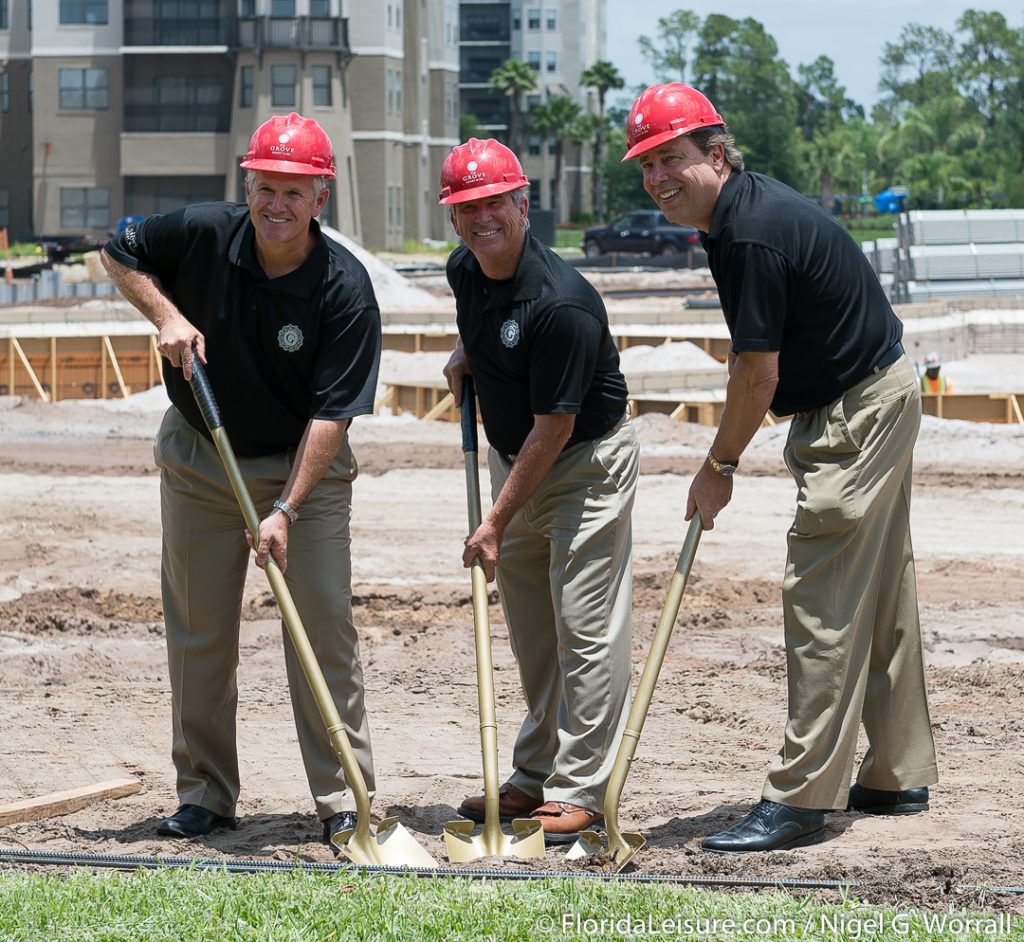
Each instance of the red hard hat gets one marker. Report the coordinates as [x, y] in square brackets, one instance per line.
[478, 169]
[663, 112]
[291, 144]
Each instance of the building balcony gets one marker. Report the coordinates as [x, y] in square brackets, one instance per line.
[293, 32]
[194, 118]
[151, 31]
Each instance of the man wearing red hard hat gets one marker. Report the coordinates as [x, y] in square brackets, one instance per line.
[563, 461]
[287, 326]
[814, 337]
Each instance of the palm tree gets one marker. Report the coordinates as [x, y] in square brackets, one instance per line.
[602, 76]
[556, 118]
[514, 78]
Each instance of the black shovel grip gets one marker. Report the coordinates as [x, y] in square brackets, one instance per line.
[203, 392]
[469, 442]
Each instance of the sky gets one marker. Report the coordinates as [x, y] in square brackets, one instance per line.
[850, 32]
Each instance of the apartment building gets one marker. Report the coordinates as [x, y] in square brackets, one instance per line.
[559, 39]
[404, 77]
[111, 108]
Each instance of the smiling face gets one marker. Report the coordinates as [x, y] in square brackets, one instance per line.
[494, 230]
[281, 206]
[684, 181]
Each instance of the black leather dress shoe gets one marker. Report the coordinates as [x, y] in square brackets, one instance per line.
[336, 823]
[877, 801]
[194, 821]
[770, 826]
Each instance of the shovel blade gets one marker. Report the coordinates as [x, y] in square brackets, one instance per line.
[392, 846]
[620, 851]
[463, 847]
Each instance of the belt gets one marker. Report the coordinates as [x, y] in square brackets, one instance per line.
[888, 358]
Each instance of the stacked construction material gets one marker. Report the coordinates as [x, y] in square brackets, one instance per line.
[944, 254]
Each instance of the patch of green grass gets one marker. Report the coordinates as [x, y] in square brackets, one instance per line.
[196, 906]
[567, 238]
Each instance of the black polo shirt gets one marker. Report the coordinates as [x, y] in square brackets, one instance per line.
[279, 351]
[538, 344]
[792, 280]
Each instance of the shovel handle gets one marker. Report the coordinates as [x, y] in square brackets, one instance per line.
[469, 439]
[207, 402]
[203, 392]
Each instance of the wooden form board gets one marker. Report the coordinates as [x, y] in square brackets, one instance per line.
[66, 802]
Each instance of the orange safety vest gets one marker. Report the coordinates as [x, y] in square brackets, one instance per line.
[935, 387]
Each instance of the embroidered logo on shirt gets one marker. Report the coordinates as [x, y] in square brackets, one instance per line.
[130, 237]
[509, 333]
[289, 338]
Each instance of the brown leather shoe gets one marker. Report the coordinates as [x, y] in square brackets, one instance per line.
[512, 803]
[562, 821]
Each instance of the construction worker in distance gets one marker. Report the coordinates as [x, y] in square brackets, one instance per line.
[563, 464]
[288, 327]
[932, 384]
[812, 336]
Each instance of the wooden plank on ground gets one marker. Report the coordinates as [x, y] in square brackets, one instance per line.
[66, 802]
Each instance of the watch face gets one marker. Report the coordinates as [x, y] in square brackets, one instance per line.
[726, 470]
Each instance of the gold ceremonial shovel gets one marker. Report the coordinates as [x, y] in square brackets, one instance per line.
[623, 845]
[528, 840]
[393, 845]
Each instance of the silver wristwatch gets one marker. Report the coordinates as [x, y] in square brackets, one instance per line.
[291, 514]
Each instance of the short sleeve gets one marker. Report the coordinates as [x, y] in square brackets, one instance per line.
[564, 344]
[344, 381]
[757, 297]
[154, 246]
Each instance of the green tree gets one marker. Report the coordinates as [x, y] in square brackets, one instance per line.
[514, 78]
[916, 68]
[737, 66]
[601, 76]
[469, 127]
[668, 53]
[556, 119]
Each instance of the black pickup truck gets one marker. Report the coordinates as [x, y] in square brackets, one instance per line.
[640, 231]
[57, 248]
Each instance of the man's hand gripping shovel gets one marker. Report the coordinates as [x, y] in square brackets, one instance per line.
[528, 840]
[392, 845]
[623, 845]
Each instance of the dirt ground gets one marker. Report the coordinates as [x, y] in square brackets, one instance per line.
[84, 695]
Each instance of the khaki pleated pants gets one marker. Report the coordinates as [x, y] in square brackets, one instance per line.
[853, 635]
[204, 565]
[565, 581]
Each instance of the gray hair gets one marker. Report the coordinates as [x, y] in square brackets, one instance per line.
[706, 138]
[319, 183]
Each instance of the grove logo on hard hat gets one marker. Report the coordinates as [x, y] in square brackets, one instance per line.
[474, 173]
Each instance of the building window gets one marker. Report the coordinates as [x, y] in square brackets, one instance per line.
[533, 145]
[517, 20]
[398, 15]
[533, 59]
[83, 11]
[5, 208]
[5, 91]
[84, 207]
[552, 19]
[282, 8]
[398, 90]
[3, 14]
[248, 8]
[245, 87]
[282, 85]
[391, 92]
[533, 18]
[552, 58]
[320, 8]
[322, 86]
[83, 89]
[389, 16]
